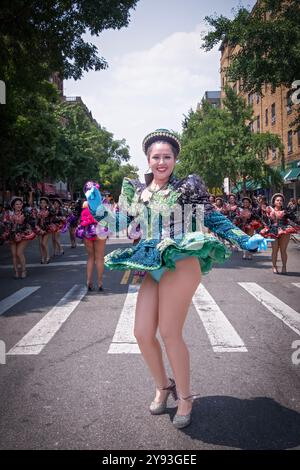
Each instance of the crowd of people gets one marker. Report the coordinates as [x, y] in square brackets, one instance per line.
[45, 220]
[255, 215]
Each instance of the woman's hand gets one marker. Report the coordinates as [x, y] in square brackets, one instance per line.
[257, 242]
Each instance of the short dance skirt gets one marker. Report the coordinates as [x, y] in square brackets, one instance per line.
[156, 256]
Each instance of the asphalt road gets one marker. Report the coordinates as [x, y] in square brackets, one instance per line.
[72, 381]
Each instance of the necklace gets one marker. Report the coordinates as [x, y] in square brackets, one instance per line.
[159, 189]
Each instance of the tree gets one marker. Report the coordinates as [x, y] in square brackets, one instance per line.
[111, 175]
[38, 38]
[29, 136]
[269, 39]
[86, 151]
[219, 143]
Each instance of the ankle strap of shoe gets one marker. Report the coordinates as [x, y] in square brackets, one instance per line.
[169, 387]
[190, 397]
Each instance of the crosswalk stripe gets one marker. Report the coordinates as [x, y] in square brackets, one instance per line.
[222, 336]
[15, 298]
[297, 284]
[51, 264]
[281, 310]
[37, 338]
[124, 340]
[125, 277]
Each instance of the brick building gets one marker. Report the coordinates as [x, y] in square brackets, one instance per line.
[273, 111]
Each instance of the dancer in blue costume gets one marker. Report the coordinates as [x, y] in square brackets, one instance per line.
[175, 255]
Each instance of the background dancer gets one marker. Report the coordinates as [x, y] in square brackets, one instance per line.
[19, 228]
[94, 245]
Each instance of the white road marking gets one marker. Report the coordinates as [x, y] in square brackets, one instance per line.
[15, 298]
[281, 310]
[124, 341]
[222, 336]
[297, 284]
[39, 265]
[37, 338]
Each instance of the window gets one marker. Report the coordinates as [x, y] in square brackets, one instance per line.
[273, 89]
[251, 127]
[258, 123]
[273, 113]
[250, 99]
[267, 117]
[289, 102]
[257, 98]
[290, 142]
[273, 150]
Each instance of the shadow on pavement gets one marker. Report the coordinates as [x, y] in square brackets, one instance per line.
[258, 423]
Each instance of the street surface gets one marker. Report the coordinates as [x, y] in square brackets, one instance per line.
[73, 377]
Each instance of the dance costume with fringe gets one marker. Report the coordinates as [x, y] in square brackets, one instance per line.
[19, 226]
[278, 223]
[161, 249]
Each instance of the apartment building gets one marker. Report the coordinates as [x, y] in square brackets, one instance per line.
[273, 111]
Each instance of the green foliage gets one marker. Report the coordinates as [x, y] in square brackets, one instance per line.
[269, 51]
[41, 138]
[38, 38]
[111, 175]
[86, 149]
[218, 143]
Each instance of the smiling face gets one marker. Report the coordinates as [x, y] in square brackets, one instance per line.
[246, 204]
[232, 200]
[161, 161]
[18, 205]
[43, 204]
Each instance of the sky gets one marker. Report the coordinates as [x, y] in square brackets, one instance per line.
[157, 70]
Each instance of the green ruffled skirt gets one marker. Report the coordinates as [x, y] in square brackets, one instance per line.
[158, 256]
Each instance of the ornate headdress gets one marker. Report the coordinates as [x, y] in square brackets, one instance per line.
[89, 184]
[161, 135]
[247, 199]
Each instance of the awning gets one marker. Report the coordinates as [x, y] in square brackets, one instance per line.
[292, 174]
[250, 186]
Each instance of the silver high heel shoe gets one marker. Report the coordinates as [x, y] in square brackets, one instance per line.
[157, 408]
[182, 421]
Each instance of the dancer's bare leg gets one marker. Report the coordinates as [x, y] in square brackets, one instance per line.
[13, 249]
[145, 328]
[275, 248]
[283, 244]
[45, 246]
[176, 290]
[41, 248]
[89, 245]
[20, 255]
[99, 247]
